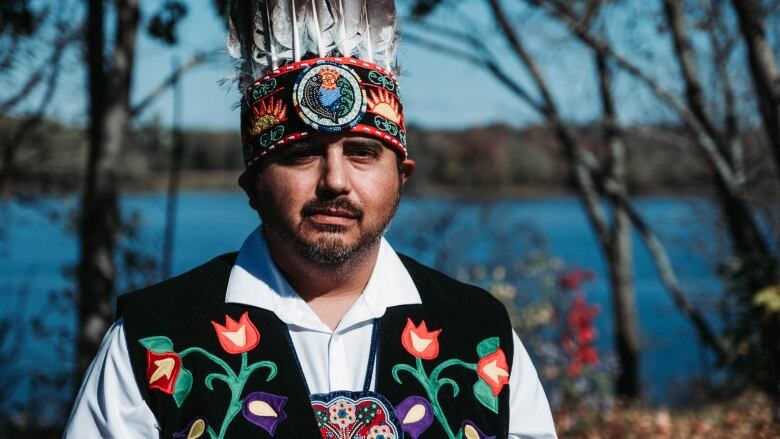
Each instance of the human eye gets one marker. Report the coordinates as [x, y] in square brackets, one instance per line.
[301, 154]
[364, 151]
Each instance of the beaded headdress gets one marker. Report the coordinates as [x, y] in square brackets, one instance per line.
[307, 66]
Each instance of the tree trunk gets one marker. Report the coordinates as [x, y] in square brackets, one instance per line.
[626, 327]
[764, 69]
[760, 269]
[619, 254]
[173, 180]
[109, 93]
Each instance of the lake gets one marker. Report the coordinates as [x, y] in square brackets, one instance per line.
[456, 236]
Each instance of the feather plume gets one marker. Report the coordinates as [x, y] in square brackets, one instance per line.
[264, 46]
[355, 28]
[240, 42]
[267, 34]
[325, 25]
[383, 39]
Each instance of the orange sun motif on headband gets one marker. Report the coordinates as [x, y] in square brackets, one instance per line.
[266, 116]
[329, 78]
[384, 104]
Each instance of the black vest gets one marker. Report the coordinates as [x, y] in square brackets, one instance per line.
[166, 323]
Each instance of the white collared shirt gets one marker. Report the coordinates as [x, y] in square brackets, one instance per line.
[110, 405]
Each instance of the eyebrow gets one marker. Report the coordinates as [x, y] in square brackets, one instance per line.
[363, 141]
[301, 145]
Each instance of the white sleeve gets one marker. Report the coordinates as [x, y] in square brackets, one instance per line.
[109, 404]
[529, 411]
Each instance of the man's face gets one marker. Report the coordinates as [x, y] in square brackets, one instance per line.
[330, 196]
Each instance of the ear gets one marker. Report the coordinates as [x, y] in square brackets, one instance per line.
[248, 182]
[407, 169]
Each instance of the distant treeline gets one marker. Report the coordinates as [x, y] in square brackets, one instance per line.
[494, 160]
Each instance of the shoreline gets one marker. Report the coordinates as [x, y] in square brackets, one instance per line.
[227, 181]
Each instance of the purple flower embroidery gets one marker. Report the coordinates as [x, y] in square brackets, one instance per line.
[196, 429]
[265, 410]
[471, 431]
[415, 415]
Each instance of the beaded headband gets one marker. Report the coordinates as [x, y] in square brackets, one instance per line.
[327, 95]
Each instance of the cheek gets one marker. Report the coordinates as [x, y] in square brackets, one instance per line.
[283, 192]
[381, 191]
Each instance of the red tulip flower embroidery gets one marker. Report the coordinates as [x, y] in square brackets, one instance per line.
[237, 337]
[494, 370]
[423, 344]
[164, 371]
[420, 342]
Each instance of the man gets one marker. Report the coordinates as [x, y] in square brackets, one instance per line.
[316, 328]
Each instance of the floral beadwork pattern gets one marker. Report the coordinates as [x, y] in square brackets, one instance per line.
[417, 413]
[165, 372]
[347, 418]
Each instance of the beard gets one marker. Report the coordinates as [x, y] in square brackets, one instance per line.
[330, 249]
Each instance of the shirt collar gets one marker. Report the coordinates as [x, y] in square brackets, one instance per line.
[255, 280]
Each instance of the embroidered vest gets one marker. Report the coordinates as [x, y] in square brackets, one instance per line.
[215, 370]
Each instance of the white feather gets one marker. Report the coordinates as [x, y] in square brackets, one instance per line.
[267, 34]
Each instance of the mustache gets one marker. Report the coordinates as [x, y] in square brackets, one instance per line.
[342, 205]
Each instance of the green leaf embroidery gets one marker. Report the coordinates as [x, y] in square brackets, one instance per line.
[487, 346]
[158, 344]
[183, 386]
[485, 396]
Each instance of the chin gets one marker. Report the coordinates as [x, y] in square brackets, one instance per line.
[330, 229]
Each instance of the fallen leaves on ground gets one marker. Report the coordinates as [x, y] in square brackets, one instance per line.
[747, 416]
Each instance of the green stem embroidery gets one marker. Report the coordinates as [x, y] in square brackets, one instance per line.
[234, 382]
[432, 384]
[210, 356]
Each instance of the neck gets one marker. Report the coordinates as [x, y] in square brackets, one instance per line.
[323, 283]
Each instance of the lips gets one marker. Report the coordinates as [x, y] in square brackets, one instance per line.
[335, 212]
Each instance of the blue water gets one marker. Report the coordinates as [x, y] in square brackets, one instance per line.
[35, 252]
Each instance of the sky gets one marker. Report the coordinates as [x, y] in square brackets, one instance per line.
[438, 90]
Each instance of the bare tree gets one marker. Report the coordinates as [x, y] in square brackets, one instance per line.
[109, 97]
[35, 41]
[10, 148]
[763, 67]
[594, 180]
[618, 246]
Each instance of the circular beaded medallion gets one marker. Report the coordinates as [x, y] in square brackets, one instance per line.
[328, 97]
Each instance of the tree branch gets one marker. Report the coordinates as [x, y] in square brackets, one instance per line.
[483, 59]
[58, 47]
[764, 69]
[616, 189]
[8, 169]
[564, 14]
[670, 280]
[722, 44]
[168, 82]
[588, 191]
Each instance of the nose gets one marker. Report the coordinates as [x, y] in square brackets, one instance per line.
[334, 179]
